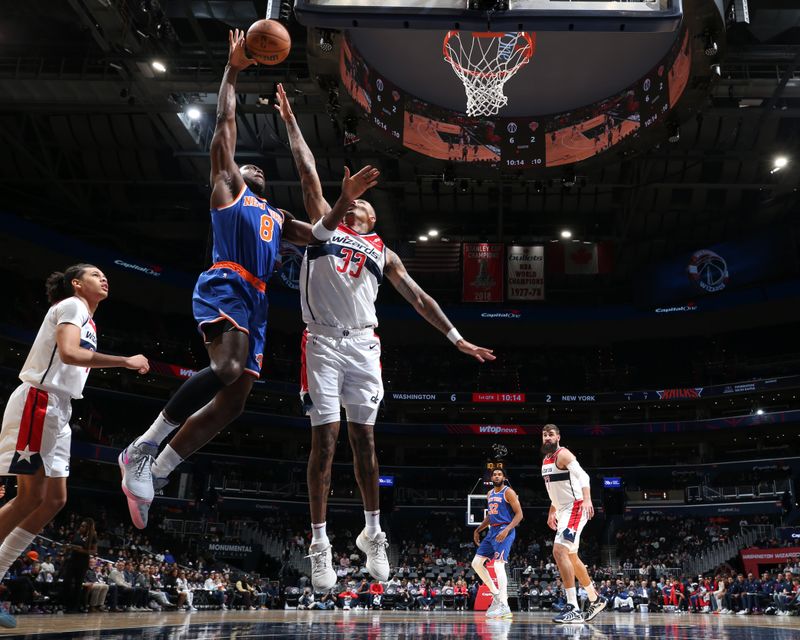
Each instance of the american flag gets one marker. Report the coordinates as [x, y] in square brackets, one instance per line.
[433, 256]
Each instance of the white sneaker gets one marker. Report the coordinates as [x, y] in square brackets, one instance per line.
[137, 481]
[375, 548]
[323, 577]
[743, 612]
[500, 611]
[493, 607]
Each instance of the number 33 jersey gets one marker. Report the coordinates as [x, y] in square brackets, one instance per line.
[339, 280]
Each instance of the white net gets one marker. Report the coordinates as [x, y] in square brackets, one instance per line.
[485, 62]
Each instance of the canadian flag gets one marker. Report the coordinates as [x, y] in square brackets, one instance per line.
[580, 258]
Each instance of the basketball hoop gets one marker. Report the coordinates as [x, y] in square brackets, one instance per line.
[486, 63]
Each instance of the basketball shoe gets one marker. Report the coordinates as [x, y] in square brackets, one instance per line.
[323, 577]
[570, 615]
[137, 481]
[501, 611]
[595, 607]
[375, 548]
[6, 619]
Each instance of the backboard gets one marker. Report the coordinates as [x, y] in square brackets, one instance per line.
[521, 15]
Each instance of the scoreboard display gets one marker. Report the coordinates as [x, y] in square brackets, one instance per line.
[489, 469]
[522, 143]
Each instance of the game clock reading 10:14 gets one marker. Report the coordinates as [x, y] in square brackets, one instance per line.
[522, 143]
[487, 472]
[387, 108]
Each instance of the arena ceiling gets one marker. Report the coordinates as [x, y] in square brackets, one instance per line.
[93, 141]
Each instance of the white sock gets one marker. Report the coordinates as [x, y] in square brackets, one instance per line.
[373, 521]
[502, 581]
[15, 543]
[591, 592]
[319, 532]
[572, 596]
[158, 431]
[165, 463]
[483, 573]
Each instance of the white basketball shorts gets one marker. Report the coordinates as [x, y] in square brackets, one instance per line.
[341, 371]
[571, 521]
[36, 433]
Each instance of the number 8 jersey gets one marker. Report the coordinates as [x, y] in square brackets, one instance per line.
[339, 280]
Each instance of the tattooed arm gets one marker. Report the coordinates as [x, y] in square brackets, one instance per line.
[315, 203]
[428, 308]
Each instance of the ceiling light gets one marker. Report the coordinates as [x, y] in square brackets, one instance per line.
[158, 66]
[423, 238]
[780, 162]
[759, 412]
[710, 46]
[433, 233]
[673, 132]
[566, 234]
[194, 113]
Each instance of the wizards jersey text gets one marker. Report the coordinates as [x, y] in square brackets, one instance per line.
[339, 280]
[247, 237]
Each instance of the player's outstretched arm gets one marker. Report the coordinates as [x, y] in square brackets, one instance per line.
[315, 204]
[428, 308]
[226, 181]
[68, 342]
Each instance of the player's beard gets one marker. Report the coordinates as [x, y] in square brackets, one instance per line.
[549, 448]
[498, 485]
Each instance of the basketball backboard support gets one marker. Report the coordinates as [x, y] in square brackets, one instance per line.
[476, 509]
[522, 15]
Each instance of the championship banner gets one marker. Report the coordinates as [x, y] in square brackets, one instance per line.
[483, 272]
[525, 272]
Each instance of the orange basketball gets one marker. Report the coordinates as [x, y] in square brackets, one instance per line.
[268, 42]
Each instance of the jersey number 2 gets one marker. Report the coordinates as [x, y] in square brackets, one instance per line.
[493, 508]
[356, 257]
[267, 224]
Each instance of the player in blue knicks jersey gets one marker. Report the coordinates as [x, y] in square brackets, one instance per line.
[229, 305]
[503, 514]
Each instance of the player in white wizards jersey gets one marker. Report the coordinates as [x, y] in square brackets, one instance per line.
[341, 352]
[570, 509]
[35, 438]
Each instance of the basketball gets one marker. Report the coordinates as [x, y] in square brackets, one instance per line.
[268, 42]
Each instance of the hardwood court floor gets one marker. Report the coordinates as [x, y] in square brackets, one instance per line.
[374, 625]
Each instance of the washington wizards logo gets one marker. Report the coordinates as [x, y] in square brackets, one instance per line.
[291, 259]
[709, 270]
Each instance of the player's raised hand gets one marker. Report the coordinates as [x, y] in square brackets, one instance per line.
[354, 186]
[481, 354]
[137, 363]
[282, 104]
[237, 54]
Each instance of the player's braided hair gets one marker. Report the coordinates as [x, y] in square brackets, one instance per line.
[59, 283]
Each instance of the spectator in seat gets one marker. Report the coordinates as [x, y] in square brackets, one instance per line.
[95, 589]
[124, 590]
[623, 602]
[185, 594]
[347, 596]
[364, 598]
[640, 595]
[460, 593]
[306, 600]
[245, 592]
[215, 589]
[752, 589]
[736, 591]
[375, 593]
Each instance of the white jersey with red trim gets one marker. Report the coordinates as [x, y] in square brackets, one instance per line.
[339, 280]
[559, 484]
[43, 367]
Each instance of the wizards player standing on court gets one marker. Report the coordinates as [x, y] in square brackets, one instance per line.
[503, 514]
[570, 509]
[229, 304]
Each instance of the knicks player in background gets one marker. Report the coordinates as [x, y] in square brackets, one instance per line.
[503, 514]
[339, 280]
[570, 509]
[36, 436]
[229, 305]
